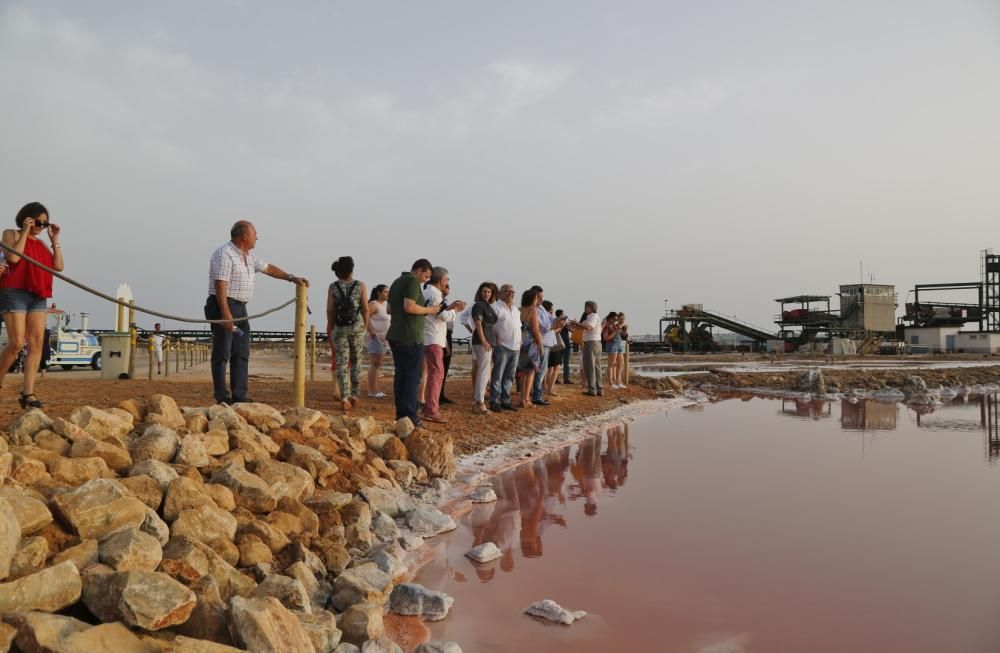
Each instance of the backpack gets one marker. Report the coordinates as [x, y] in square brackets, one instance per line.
[345, 311]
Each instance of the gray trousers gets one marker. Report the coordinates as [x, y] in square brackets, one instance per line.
[592, 371]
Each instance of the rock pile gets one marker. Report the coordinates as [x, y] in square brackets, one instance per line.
[160, 528]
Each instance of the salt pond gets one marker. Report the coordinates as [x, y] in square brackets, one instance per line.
[745, 525]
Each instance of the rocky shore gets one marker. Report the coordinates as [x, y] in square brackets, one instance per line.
[150, 527]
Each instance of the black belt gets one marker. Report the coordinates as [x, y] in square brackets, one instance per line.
[228, 299]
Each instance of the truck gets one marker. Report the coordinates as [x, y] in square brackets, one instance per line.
[70, 347]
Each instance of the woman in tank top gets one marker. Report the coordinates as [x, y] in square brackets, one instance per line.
[25, 290]
[347, 323]
[377, 345]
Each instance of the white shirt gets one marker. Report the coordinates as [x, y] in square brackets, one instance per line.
[436, 326]
[594, 322]
[379, 320]
[228, 265]
[545, 320]
[158, 339]
[508, 327]
[465, 318]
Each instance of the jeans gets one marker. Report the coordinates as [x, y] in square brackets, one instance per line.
[434, 355]
[504, 366]
[536, 389]
[566, 354]
[229, 348]
[408, 364]
[592, 366]
[447, 365]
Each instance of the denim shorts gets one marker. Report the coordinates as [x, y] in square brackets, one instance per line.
[16, 300]
[376, 346]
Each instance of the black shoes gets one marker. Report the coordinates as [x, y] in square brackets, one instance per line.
[510, 407]
[541, 402]
[29, 399]
[445, 400]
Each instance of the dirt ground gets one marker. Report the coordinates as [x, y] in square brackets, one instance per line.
[271, 383]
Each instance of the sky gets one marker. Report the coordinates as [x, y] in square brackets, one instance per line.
[722, 153]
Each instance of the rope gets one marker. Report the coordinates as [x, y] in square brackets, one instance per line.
[140, 309]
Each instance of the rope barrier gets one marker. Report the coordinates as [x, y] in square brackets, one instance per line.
[140, 309]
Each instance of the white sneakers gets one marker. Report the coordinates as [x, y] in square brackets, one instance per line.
[377, 395]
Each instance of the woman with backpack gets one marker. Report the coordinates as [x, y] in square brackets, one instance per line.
[347, 323]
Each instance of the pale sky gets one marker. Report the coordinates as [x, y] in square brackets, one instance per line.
[723, 153]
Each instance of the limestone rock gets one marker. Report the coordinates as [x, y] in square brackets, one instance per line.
[67, 429]
[27, 424]
[321, 626]
[428, 522]
[183, 494]
[99, 508]
[404, 427]
[206, 524]
[167, 642]
[365, 583]
[144, 599]
[192, 451]
[394, 449]
[263, 625]
[389, 561]
[104, 637]
[309, 459]
[384, 527]
[27, 471]
[98, 423]
[32, 514]
[483, 494]
[318, 590]
[415, 600]
[288, 590]
[433, 450]
[7, 634]
[333, 553]
[133, 408]
[552, 611]
[262, 416]
[249, 491]
[411, 542]
[216, 442]
[357, 519]
[323, 503]
[394, 503]
[272, 537]
[145, 489]
[253, 551]
[82, 555]
[48, 590]
[252, 442]
[77, 471]
[361, 622]
[158, 442]
[346, 647]
[220, 495]
[162, 409]
[131, 550]
[381, 645]
[208, 619]
[307, 518]
[188, 560]
[484, 553]
[88, 447]
[404, 471]
[30, 556]
[39, 632]
[305, 420]
[154, 526]
[52, 441]
[438, 647]
[162, 473]
[285, 480]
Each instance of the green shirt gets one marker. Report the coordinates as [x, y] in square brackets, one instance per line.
[405, 328]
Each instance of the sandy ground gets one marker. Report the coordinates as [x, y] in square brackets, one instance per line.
[271, 382]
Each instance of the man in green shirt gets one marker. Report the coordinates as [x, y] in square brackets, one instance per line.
[406, 336]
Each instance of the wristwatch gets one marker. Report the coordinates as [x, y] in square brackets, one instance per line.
[290, 277]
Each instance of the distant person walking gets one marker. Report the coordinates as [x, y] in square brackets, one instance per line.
[590, 326]
[406, 336]
[158, 340]
[483, 342]
[347, 323]
[230, 286]
[377, 345]
[507, 331]
[24, 291]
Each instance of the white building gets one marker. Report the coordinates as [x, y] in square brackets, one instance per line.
[978, 342]
[936, 339]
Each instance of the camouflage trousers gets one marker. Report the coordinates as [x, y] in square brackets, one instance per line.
[348, 343]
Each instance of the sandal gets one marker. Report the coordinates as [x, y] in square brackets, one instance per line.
[346, 405]
[26, 401]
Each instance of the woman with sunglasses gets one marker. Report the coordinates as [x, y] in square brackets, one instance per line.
[25, 291]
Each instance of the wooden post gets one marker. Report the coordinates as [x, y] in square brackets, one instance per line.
[312, 352]
[120, 326]
[184, 354]
[177, 357]
[625, 373]
[132, 339]
[299, 370]
[131, 313]
[151, 357]
[166, 357]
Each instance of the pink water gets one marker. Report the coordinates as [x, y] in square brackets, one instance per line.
[762, 526]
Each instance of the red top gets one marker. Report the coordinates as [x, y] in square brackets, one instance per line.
[25, 276]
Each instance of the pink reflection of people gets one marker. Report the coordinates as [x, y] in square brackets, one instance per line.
[586, 469]
[614, 461]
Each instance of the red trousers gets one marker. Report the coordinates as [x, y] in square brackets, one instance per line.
[434, 356]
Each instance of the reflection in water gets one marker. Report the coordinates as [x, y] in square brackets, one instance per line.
[988, 405]
[868, 415]
[534, 496]
[805, 408]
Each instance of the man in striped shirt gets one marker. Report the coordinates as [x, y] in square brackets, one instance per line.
[230, 287]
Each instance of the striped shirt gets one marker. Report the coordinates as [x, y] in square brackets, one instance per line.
[228, 265]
